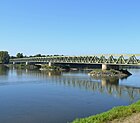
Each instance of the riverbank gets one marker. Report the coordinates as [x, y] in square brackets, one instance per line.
[118, 114]
[134, 118]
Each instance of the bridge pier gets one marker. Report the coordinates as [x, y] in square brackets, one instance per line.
[107, 67]
[26, 63]
[50, 64]
[104, 66]
[14, 63]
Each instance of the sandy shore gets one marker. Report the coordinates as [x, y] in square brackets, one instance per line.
[135, 118]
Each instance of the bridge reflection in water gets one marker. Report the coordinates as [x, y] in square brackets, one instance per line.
[108, 86]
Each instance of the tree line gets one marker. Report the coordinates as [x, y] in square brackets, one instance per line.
[5, 57]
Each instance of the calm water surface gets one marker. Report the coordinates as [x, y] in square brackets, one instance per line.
[45, 97]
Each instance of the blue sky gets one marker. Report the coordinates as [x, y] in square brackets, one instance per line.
[70, 27]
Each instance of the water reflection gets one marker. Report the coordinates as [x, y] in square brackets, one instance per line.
[43, 74]
[3, 70]
[108, 85]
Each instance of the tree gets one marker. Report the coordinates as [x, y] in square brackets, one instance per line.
[37, 55]
[19, 55]
[4, 57]
[12, 57]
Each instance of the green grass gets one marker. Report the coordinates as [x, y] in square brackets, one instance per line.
[115, 113]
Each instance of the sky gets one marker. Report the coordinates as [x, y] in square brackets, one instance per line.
[70, 27]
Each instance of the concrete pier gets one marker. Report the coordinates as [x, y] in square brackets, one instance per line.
[50, 64]
[104, 66]
[107, 67]
[26, 63]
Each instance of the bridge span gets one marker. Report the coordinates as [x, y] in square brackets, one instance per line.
[105, 60]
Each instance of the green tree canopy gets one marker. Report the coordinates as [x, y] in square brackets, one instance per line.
[39, 55]
[19, 55]
[4, 57]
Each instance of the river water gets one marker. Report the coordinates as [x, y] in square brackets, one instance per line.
[48, 97]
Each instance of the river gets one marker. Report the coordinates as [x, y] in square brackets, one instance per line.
[50, 97]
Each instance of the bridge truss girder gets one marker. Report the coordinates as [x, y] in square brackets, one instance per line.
[121, 60]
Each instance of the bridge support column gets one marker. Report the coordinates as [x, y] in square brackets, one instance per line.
[50, 64]
[26, 63]
[14, 63]
[104, 66]
[107, 67]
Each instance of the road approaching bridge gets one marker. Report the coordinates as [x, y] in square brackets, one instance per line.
[106, 60]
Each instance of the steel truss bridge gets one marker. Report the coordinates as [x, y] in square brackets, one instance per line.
[116, 59]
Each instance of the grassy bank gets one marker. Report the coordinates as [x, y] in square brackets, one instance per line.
[115, 113]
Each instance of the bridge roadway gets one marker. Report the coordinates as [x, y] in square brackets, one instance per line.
[106, 60]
